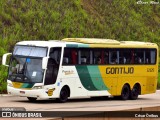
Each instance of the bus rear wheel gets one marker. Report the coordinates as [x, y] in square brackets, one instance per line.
[64, 94]
[125, 92]
[134, 92]
[32, 99]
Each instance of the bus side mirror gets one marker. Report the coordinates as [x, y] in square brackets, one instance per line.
[44, 62]
[4, 59]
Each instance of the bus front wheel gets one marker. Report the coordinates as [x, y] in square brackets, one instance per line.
[64, 94]
[32, 99]
[125, 92]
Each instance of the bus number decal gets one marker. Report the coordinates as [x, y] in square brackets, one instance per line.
[150, 69]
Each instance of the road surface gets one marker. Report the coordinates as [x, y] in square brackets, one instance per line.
[99, 104]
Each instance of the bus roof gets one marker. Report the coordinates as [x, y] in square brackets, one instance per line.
[53, 43]
[89, 42]
[94, 42]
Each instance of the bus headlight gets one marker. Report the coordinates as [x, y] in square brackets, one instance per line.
[10, 84]
[37, 87]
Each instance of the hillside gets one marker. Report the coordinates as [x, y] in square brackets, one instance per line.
[57, 19]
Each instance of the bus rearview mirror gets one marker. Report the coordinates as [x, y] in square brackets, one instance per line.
[4, 59]
[44, 62]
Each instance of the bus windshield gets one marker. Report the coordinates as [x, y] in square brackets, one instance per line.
[23, 69]
[26, 64]
[33, 51]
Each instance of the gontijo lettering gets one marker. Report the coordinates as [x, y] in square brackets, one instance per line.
[119, 70]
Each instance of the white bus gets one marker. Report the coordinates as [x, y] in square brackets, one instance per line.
[81, 67]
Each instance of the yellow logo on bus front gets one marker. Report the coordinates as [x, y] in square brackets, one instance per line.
[50, 92]
[17, 84]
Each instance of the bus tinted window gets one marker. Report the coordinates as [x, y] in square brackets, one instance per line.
[55, 54]
[98, 56]
[84, 56]
[67, 56]
[152, 57]
[70, 56]
[126, 56]
[106, 56]
[102, 56]
[139, 56]
[113, 56]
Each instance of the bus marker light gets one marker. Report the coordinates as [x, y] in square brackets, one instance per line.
[58, 84]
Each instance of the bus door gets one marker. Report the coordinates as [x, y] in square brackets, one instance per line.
[53, 66]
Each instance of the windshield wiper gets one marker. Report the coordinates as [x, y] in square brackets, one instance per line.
[16, 76]
[20, 78]
[26, 78]
[11, 77]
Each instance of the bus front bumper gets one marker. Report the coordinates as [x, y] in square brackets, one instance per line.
[36, 93]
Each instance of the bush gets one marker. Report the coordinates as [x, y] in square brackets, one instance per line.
[3, 79]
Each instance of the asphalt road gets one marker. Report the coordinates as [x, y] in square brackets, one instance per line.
[98, 104]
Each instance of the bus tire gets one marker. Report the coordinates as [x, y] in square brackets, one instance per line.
[32, 99]
[64, 94]
[125, 93]
[135, 92]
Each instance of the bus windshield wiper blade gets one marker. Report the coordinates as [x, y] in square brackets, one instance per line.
[26, 78]
[16, 75]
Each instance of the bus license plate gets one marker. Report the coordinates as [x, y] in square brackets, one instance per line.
[22, 92]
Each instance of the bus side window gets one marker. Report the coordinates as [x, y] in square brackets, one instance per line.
[106, 57]
[84, 56]
[97, 56]
[139, 56]
[126, 56]
[147, 57]
[83, 60]
[67, 56]
[113, 57]
[153, 56]
[65, 60]
[122, 59]
[150, 56]
[74, 56]
[55, 54]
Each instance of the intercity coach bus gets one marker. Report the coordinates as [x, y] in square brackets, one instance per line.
[82, 67]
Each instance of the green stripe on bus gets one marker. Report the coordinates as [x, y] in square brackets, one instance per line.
[27, 85]
[72, 45]
[77, 45]
[83, 45]
[96, 77]
[85, 78]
